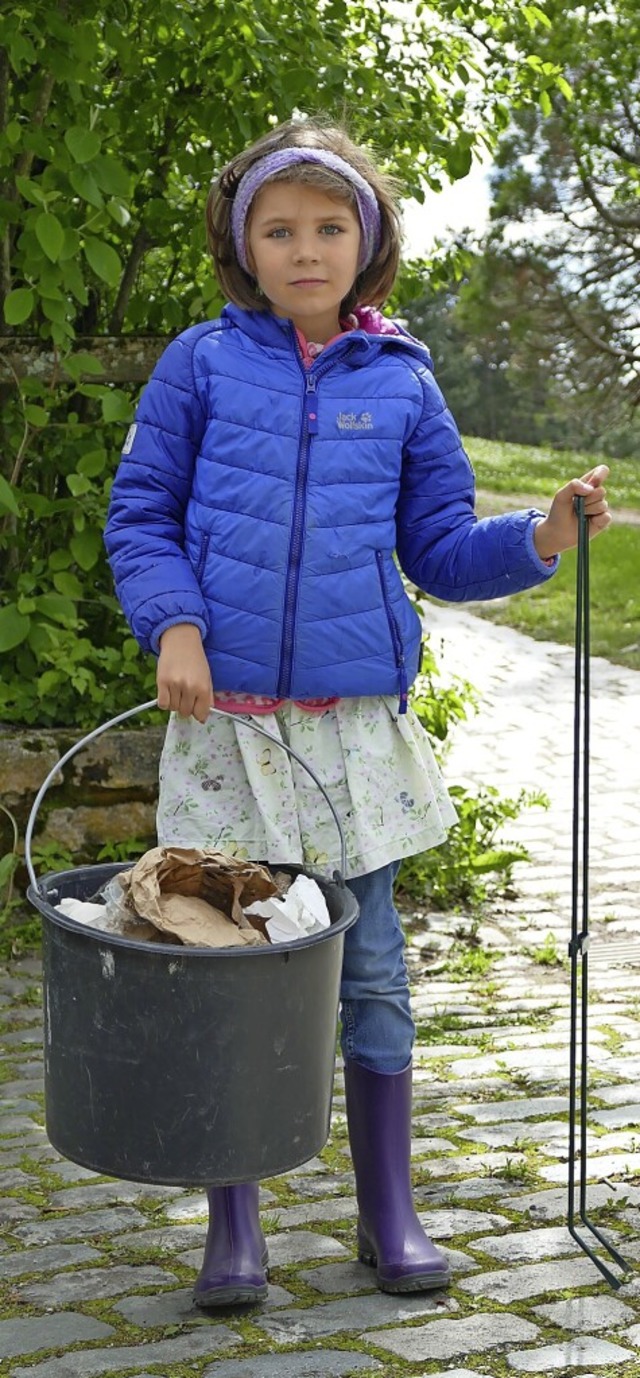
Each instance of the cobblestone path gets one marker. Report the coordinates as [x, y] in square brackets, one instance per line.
[95, 1274]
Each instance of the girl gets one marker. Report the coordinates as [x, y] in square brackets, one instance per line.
[280, 455]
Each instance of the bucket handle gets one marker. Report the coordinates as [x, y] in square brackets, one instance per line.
[141, 708]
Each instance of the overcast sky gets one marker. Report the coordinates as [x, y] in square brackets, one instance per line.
[461, 205]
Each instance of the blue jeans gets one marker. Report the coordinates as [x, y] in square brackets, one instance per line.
[377, 1026]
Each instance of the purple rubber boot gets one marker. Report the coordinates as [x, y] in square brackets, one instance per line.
[390, 1236]
[233, 1270]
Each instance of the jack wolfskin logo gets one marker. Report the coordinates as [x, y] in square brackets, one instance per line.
[354, 421]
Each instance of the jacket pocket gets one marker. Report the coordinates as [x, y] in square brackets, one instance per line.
[394, 632]
[202, 555]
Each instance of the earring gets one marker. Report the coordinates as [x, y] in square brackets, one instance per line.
[257, 289]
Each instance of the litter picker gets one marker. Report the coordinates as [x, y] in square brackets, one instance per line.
[579, 944]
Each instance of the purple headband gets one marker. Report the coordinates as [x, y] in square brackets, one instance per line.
[368, 208]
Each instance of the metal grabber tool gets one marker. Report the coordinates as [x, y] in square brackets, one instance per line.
[579, 944]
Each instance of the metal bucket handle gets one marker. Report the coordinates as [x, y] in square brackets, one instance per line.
[141, 708]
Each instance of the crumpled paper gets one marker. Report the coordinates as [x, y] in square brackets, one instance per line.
[204, 898]
[197, 896]
[111, 919]
[298, 914]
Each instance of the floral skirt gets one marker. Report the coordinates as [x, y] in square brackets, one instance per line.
[224, 786]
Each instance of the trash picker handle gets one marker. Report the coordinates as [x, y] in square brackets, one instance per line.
[142, 708]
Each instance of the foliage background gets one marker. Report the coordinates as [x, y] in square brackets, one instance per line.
[111, 127]
[536, 336]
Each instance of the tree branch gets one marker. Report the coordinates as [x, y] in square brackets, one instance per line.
[610, 218]
[621, 152]
[4, 87]
[635, 126]
[141, 242]
[5, 245]
[23, 164]
[616, 351]
[159, 160]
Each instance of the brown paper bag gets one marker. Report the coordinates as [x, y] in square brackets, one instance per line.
[198, 924]
[211, 887]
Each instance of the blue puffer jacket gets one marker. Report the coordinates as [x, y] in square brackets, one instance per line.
[264, 504]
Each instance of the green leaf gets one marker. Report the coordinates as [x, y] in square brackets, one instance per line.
[78, 484]
[103, 259]
[112, 176]
[49, 283]
[540, 16]
[69, 584]
[56, 607]
[54, 310]
[93, 463]
[59, 559]
[563, 85]
[32, 191]
[116, 406]
[50, 235]
[93, 389]
[82, 363]
[71, 245]
[8, 497]
[459, 159]
[545, 103]
[83, 144]
[48, 682]
[38, 638]
[21, 50]
[8, 864]
[118, 212]
[74, 281]
[18, 305]
[35, 415]
[86, 186]
[86, 548]
[13, 627]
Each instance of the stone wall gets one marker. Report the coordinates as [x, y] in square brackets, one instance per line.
[105, 795]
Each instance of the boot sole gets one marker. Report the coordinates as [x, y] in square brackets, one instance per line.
[230, 1296]
[417, 1284]
[420, 1282]
[235, 1294]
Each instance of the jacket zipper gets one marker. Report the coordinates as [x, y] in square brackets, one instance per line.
[202, 555]
[395, 636]
[309, 427]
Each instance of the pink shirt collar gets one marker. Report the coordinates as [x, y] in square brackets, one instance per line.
[310, 350]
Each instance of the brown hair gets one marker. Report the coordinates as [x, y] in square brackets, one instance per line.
[374, 283]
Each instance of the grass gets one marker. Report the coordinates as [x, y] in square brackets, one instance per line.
[547, 612]
[547, 954]
[505, 468]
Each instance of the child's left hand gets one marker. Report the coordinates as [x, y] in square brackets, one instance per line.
[559, 530]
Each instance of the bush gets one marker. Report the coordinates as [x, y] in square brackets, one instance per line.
[471, 863]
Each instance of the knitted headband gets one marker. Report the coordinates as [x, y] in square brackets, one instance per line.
[259, 172]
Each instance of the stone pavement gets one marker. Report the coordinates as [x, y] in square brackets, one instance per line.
[95, 1274]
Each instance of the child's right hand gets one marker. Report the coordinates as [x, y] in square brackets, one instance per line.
[183, 676]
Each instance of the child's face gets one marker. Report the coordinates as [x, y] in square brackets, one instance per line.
[303, 247]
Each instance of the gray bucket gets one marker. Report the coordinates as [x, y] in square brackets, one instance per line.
[182, 1065]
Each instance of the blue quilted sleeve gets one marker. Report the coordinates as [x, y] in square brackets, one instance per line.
[144, 535]
[442, 546]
